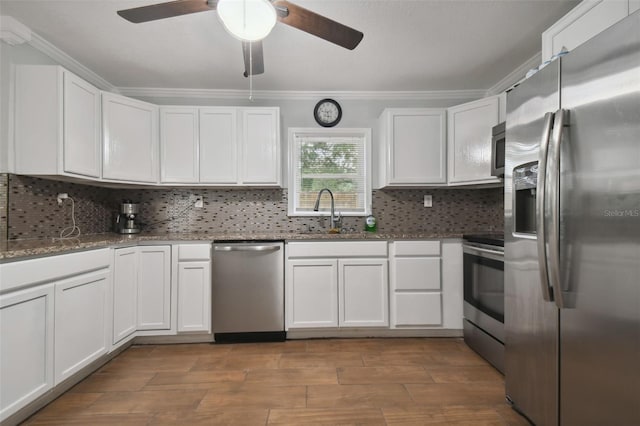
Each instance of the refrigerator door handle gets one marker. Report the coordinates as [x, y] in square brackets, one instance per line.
[553, 213]
[540, 207]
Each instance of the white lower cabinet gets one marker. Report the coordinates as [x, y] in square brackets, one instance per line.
[416, 288]
[194, 288]
[327, 287]
[363, 293]
[26, 347]
[312, 293]
[125, 293]
[426, 284]
[141, 291]
[154, 288]
[194, 296]
[81, 322]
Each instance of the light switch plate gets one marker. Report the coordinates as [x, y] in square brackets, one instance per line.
[428, 201]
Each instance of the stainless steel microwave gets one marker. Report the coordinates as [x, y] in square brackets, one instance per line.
[498, 140]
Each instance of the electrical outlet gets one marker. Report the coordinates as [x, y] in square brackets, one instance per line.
[62, 196]
[428, 201]
[199, 203]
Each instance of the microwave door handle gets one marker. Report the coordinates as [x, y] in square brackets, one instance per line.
[553, 213]
[540, 207]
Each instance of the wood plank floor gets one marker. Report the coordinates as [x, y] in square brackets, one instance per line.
[436, 381]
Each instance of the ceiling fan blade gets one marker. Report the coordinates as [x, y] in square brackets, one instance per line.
[253, 58]
[318, 25]
[166, 10]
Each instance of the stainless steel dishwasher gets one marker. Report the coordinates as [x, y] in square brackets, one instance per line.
[248, 291]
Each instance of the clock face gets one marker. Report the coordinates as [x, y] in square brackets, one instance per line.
[327, 113]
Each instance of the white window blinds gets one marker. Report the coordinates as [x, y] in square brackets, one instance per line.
[338, 162]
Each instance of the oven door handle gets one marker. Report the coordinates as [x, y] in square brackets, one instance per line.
[483, 252]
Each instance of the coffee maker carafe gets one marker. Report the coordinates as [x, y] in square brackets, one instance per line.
[126, 219]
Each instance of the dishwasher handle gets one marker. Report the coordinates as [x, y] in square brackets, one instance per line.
[246, 248]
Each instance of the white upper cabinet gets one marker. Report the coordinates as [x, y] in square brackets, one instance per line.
[57, 123]
[82, 132]
[130, 137]
[583, 22]
[219, 145]
[179, 145]
[261, 146]
[412, 147]
[223, 146]
[469, 141]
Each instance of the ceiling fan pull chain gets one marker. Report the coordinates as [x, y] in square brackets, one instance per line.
[251, 71]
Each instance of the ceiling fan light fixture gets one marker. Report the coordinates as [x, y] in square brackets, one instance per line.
[247, 20]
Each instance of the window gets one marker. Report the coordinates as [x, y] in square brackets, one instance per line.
[338, 159]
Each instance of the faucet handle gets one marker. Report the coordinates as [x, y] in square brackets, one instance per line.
[338, 220]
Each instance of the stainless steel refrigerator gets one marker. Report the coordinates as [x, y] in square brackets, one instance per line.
[572, 235]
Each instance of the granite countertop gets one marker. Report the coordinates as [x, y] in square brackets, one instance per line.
[16, 249]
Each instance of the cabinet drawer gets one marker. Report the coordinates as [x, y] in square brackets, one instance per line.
[418, 309]
[416, 273]
[417, 248]
[194, 252]
[46, 269]
[335, 249]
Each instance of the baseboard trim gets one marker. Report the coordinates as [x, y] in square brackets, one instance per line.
[362, 333]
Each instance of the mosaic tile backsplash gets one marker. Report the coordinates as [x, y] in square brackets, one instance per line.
[4, 180]
[34, 212]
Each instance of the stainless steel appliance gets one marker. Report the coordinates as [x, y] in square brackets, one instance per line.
[572, 229]
[248, 291]
[126, 219]
[483, 259]
[498, 138]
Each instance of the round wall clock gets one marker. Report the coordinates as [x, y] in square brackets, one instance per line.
[327, 113]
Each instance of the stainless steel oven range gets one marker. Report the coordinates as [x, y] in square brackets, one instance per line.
[484, 296]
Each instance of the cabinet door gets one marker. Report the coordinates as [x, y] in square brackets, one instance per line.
[81, 320]
[452, 284]
[417, 309]
[125, 292]
[194, 296]
[218, 145]
[415, 149]
[583, 22]
[363, 293]
[179, 145]
[470, 141]
[260, 146]
[26, 347]
[311, 293]
[416, 273]
[154, 288]
[82, 135]
[130, 139]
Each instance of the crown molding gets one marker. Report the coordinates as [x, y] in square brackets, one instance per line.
[13, 32]
[515, 76]
[148, 92]
[42, 45]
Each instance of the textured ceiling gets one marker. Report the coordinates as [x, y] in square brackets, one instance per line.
[407, 45]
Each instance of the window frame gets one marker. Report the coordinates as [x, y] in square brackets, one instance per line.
[295, 132]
